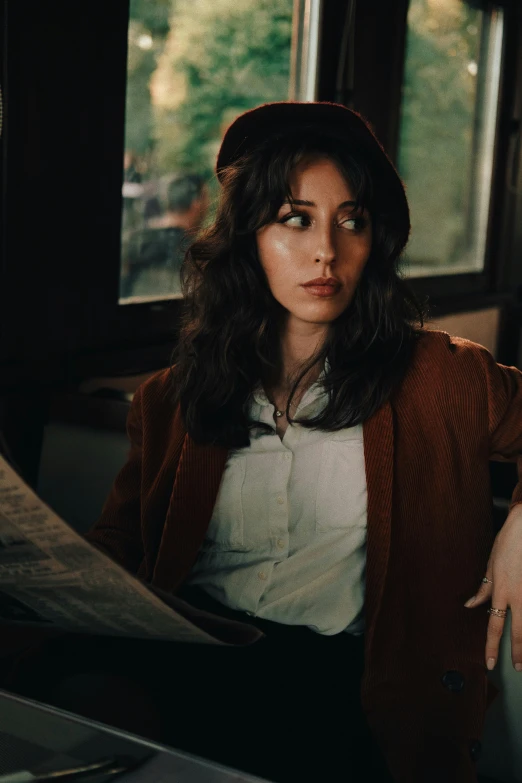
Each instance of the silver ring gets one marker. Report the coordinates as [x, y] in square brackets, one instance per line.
[498, 612]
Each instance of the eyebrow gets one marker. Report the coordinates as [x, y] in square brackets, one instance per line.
[302, 203]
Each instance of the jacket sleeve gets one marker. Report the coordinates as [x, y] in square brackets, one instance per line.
[118, 530]
[504, 386]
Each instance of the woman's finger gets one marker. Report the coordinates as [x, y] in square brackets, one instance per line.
[495, 631]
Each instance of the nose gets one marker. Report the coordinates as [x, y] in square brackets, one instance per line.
[325, 249]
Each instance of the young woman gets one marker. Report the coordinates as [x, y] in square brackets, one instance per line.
[316, 463]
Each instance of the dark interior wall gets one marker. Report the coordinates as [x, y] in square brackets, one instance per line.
[64, 88]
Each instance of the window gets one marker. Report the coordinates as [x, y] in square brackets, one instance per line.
[447, 132]
[193, 66]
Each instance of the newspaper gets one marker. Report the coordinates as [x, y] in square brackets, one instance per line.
[51, 577]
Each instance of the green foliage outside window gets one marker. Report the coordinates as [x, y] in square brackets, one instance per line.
[439, 106]
[194, 65]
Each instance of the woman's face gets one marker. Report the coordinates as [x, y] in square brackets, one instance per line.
[317, 236]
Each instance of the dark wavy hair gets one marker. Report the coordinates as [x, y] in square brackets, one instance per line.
[229, 338]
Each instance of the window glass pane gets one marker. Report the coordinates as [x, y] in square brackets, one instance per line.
[447, 132]
[193, 66]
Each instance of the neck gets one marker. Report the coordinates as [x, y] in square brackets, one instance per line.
[297, 346]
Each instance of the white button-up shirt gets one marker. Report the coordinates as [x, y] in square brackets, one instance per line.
[287, 538]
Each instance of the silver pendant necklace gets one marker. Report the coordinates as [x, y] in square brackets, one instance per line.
[278, 413]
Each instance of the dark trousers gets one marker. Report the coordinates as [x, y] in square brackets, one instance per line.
[286, 708]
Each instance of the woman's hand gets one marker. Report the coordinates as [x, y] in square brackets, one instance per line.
[505, 588]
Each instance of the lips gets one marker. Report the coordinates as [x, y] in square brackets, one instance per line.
[322, 286]
[322, 290]
[331, 282]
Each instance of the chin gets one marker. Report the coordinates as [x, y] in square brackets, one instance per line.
[319, 320]
[322, 312]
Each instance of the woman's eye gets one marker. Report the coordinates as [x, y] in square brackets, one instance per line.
[353, 224]
[296, 221]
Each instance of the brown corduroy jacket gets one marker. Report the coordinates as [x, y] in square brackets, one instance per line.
[429, 536]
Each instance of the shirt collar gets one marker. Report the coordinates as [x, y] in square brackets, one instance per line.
[314, 395]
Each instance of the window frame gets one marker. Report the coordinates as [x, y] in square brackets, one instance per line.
[377, 95]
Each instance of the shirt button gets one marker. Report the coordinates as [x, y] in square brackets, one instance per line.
[262, 575]
[453, 681]
[280, 500]
[281, 543]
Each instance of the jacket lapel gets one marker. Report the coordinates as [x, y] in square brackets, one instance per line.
[192, 501]
[156, 502]
[378, 458]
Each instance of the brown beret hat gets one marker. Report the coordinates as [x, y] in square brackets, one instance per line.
[278, 119]
[332, 120]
